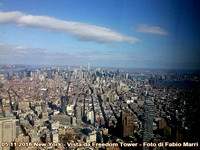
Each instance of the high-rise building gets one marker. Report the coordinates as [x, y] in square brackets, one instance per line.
[126, 124]
[49, 74]
[80, 72]
[8, 130]
[88, 66]
[63, 104]
[90, 117]
[78, 115]
[10, 74]
[148, 122]
[28, 73]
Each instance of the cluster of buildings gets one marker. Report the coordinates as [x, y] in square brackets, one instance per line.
[75, 105]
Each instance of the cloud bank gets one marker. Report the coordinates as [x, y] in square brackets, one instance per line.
[151, 30]
[81, 31]
[15, 54]
[16, 51]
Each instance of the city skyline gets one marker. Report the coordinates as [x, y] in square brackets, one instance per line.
[101, 108]
[133, 34]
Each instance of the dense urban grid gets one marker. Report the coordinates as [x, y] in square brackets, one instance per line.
[96, 108]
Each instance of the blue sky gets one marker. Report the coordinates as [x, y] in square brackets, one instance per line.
[110, 33]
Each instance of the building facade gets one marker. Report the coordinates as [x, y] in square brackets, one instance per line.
[148, 122]
[126, 124]
[8, 130]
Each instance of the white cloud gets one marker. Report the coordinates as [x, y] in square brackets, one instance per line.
[16, 50]
[81, 31]
[151, 30]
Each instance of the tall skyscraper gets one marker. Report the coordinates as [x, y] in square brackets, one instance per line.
[80, 72]
[49, 74]
[8, 130]
[90, 117]
[148, 122]
[28, 73]
[126, 124]
[10, 74]
[78, 115]
[63, 104]
[88, 66]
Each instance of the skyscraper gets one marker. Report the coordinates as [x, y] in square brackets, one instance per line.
[126, 124]
[63, 104]
[148, 122]
[28, 73]
[49, 74]
[90, 117]
[78, 115]
[80, 72]
[8, 130]
[10, 74]
[88, 66]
